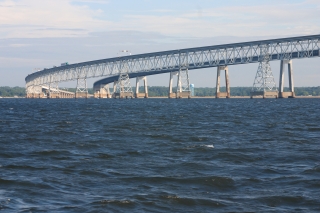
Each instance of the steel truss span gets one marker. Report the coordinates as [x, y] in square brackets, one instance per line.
[192, 58]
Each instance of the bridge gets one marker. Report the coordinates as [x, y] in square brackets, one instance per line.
[119, 70]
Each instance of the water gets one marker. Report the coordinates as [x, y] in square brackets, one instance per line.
[160, 155]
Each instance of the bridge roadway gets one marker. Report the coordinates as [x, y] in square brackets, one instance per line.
[175, 60]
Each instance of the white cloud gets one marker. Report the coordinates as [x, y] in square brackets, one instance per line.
[262, 20]
[36, 18]
[63, 18]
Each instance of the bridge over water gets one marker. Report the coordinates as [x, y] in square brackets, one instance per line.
[178, 62]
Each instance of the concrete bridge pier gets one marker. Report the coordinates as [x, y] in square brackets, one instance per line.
[114, 88]
[69, 95]
[53, 91]
[102, 92]
[81, 95]
[123, 95]
[171, 93]
[47, 91]
[32, 95]
[105, 92]
[55, 95]
[107, 89]
[29, 95]
[145, 94]
[96, 94]
[283, 94]
[36, 95]
[36, 92]
[227, 93]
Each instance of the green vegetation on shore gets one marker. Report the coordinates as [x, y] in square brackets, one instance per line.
[12, 91]
[163, 91]
[235, 91]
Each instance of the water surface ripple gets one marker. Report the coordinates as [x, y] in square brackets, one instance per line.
[160, 155]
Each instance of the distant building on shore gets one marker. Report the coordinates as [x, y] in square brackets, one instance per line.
[192, 89]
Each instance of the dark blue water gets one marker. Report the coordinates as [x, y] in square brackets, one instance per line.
[160, 155]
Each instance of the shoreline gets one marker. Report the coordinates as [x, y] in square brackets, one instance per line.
[193, 97]
[235, 97]
[206, 97]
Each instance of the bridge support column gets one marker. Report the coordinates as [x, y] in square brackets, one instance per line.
[145, 94]
[264, 84]
[283, 94]
[183, 84]
[82, 89]
[114, 89]
[226, 72]
[107, 88]
[29, 91]
[97, 94]
[36, 92]
[53, 91]
[102, 92]
[171, 94]
[123, 86]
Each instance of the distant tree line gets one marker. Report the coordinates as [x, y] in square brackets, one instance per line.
[161, 91]
[245, 91]
[12, 91]
[235, 91]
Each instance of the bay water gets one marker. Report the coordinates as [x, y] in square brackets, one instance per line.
[160, 155]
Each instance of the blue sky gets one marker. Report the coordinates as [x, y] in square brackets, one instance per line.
[43, 33]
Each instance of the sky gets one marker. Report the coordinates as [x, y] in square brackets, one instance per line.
[44, 33]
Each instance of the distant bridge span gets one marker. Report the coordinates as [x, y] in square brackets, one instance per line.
[170, 61]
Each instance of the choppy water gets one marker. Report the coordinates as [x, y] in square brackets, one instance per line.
[160, 155]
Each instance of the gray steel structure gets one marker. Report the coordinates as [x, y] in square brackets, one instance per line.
[171, 61]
